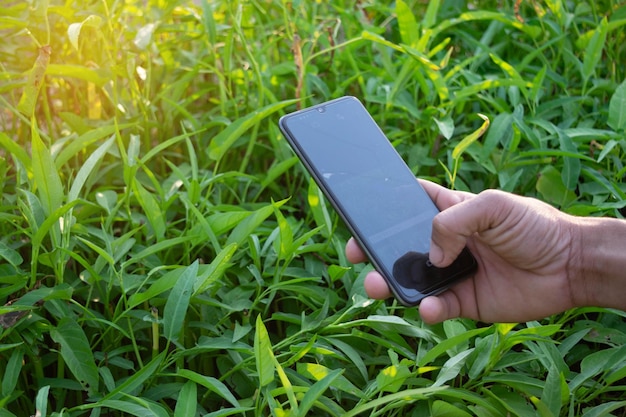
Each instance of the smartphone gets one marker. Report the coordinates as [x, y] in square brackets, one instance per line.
[375, 193]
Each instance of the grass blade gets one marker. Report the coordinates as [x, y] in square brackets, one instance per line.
[471, 138]
[140, 407]
[222, 142]
[245, 228]
[407, 395]
[16, 150]
[263, 354]
[151, 209]
[45, 175]
[177, 303]
[36, 75]
[593, 51]
[215, 270]
[12, 372]
[210, 383]
[136, 379]
[86, 139]
[87, 168]
[187, 403]
[409, 30]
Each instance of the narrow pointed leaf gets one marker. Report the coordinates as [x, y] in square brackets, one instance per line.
[45, 174]
[187, 403]
[178, 302]
[471, 138]
[263, 354]
[617, 109]
[226, 138]
[77, 353]
[87, 168]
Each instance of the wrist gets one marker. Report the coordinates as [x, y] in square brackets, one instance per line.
[597, 267]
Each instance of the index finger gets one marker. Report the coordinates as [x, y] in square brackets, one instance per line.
[354, 253]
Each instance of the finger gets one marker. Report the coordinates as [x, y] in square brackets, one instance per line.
[438, 308]
[444, 197]
[376, 287]
[453, 226]
[354, 253]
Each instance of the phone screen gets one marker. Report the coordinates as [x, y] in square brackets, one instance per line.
[376, 194]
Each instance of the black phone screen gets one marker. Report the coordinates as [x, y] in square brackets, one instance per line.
[376, 194]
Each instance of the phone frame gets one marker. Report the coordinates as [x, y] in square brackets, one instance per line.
[351, 225]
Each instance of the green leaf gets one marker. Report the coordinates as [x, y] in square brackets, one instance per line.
[471, 138]
[136, 379]
[288, 387]
[215, 270]
[617, 108]
[550, 186]
[210, 383]
[445, 409]
[319, 208]
[98, 76]
[407, 395]
[223, 141]
[248, 225]
[10, 255]
[285, 241]
[28, 100]
[446, 126]
[178, 301]
[604, 410]
[158, 247]
[316, 391]
[551, 395]
[87, 168]
[593, 51]
[41, 401]
[151, 209]
[409, 30]
[73, 30]
[187, 403]
[392, 377]
[452, 367]
[76, 352]
[12, 371]
[45, 174]
[263, 354]
[135, 407]
[162, 284]
[83, 141]
[319, 372]
[449, 343]
[430, 17]
[571, 166]
[16, 150]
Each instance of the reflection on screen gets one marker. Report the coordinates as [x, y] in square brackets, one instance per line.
[363, 175]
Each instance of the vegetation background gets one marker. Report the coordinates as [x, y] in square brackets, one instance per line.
[162, 252]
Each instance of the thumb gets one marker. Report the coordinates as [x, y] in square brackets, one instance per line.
[453, 226]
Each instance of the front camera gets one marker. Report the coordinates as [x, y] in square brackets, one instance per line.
[321, 109]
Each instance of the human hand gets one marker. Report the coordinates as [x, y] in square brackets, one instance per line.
[523, 248]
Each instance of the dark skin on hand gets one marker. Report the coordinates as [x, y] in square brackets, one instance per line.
[533, 260]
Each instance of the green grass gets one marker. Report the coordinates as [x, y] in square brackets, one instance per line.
[162, 252]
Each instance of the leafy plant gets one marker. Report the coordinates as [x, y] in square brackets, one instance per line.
[163, 253]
